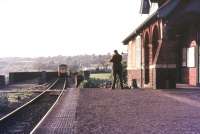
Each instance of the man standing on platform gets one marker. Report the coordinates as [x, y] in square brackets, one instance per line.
[117, 68]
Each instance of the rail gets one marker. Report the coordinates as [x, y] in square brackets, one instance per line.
[44, 117]
[26, 104]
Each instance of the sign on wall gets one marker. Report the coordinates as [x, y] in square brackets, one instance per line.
[145, 7]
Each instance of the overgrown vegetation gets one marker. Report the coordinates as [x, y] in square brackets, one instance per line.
[104, 80]
[101, 76]
[95, 83]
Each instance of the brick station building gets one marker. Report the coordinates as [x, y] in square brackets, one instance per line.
[164, 49]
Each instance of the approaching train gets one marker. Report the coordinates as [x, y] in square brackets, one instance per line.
[63, 70]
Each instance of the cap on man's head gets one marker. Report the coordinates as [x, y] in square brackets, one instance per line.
[115, 51]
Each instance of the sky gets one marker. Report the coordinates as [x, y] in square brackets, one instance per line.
[34, 28]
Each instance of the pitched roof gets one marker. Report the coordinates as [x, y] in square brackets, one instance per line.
[162, 12]
[193, 7]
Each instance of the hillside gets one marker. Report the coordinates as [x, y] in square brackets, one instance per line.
[16, 64]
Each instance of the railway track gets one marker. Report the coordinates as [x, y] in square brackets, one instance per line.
[58, 85]
[23, 119]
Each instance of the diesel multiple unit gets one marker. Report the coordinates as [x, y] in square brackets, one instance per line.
[62, 70]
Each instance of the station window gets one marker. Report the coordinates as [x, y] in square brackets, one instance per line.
[131, 52]
[138, 53]
[188, 57]
[191, 57]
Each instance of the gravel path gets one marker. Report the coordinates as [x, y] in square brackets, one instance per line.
[103, 111]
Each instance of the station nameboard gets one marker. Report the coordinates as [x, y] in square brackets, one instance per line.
[145, 7]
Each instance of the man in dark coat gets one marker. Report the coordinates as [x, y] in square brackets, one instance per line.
[117, 68]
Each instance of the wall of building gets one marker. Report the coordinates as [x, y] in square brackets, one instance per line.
[161, 57]
[190, 71]
[189, 76]
[166, 65]
[171, 60]
[134, 61]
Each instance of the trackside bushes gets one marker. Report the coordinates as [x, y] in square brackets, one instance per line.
[95, 83]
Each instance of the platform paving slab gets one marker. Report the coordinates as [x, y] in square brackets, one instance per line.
[61, 119]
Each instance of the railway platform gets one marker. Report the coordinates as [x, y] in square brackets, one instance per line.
[138, 111]
[61, 119]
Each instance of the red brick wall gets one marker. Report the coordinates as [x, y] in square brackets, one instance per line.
[162, 77]
[193, 76]
[134, 74]
[189, 76]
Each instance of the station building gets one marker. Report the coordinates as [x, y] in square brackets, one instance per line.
[164, 50]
